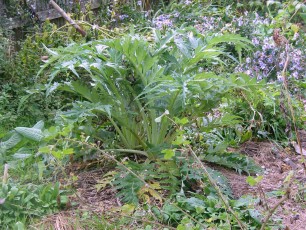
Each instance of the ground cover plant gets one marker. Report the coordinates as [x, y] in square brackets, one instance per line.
[166, 115]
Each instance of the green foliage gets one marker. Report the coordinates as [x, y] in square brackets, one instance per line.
[192, 175]
[132, 82]
[282, 11]
[5, 46]
[20, 103]
[254, 180]
[21, 98]
[170, 176]
[208, 212]
[288, 12]
[21, 203]
[260, 111]
[239, 162]
[11, 142]
[20, 134]
[213, 148]
[36, 149]
[130, 187]
[161, 92]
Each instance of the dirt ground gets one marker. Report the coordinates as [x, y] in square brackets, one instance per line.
[276, 162]
[88, 200]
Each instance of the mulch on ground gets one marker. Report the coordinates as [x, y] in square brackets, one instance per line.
[276, 162]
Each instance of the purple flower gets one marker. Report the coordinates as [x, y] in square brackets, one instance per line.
[248, 72]
[268, 44]
[240, 21]
[257, 54]
[259, 77]
[123, 16]
[266, 21]
[295, 75]
[280, 77]
[295, 36]
[163, 21]
[255, 41]
[208, 24]
[270, 59]
[262, 65]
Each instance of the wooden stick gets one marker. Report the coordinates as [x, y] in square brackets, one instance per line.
[67, 18]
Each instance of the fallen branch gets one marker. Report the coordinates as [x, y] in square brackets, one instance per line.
[67, 18]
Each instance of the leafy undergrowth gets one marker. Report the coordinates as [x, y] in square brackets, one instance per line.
[157, 119]
[99, 207]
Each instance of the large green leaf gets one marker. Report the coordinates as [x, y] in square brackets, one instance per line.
[133, 82]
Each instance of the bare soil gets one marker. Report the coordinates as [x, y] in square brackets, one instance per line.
[276, 162]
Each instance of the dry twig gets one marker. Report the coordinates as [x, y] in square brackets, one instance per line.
[67, 18]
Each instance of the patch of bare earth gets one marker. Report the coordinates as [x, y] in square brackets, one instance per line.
[91, 199]
[277, 164]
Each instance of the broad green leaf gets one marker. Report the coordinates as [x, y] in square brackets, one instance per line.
[39, 125]
[30, 133]
[23, 153]
[58, 154]
[168, 153]
[68, 151]
[253, 180]
[128, 209]
[11, 142]
[19, 226]
[182, 121]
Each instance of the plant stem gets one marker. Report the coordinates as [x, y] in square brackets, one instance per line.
[213, 183]
[285, 83]
[5, 173]
[272, 210]
[130, 151]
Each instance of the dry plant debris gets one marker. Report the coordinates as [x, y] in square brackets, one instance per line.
[276, 162]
